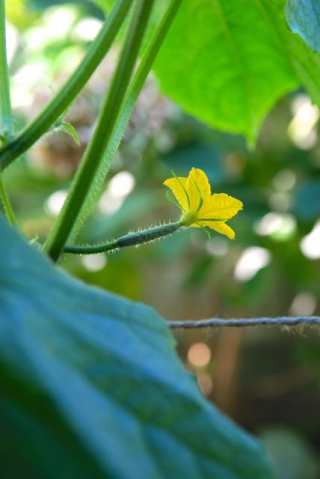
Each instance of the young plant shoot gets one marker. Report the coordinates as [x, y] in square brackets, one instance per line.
[200, 209]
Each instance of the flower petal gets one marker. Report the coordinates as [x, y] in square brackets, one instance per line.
[178, 186]
[198, 184]
[220, 207]
[219, 226]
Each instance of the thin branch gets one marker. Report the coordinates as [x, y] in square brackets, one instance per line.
[283, 321]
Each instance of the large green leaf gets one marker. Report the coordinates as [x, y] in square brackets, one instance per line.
[303, 17]
[91, 386]
[229, 61]
[304, 62]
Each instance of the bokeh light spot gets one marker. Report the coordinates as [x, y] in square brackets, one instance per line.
[310, 244]
[301, 129]
[55, 202]
[303, 304]
[94, 262]
[250, 262]
[199, 355]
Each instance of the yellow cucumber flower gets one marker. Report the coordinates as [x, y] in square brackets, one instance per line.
[199, 207]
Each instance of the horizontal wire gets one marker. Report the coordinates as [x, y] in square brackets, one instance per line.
[247, 323]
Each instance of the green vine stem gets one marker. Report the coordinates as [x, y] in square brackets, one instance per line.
[131, 239]
[5, 103]
[126, 110]
[69, 91]
[89, 166]
[5, 107]
[6, 204]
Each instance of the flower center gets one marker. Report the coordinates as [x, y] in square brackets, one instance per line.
[188, 218]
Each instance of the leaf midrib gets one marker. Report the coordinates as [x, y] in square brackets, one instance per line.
[217, 6]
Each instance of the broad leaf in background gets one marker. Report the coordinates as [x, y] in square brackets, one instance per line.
[303, 17]
[223, 63]
[91, 386]
[305, 62]
[228, 62]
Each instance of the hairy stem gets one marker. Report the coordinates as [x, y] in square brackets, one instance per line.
[81, 186]
[5, 104]
[131, 239]
[69, 91]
